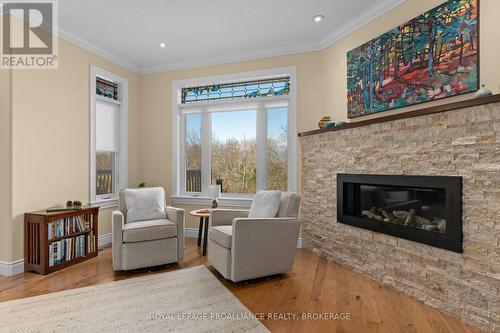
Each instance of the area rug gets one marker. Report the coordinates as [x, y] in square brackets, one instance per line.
[187, 300]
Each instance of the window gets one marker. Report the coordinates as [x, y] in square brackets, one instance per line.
[193, 152]
[108, 156]
[277, 148]
[247, 89]
[234, 151]
[236, 132]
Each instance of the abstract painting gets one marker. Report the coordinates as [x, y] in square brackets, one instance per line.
[433, 56]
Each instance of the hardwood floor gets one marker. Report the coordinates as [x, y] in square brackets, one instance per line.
[314, 286]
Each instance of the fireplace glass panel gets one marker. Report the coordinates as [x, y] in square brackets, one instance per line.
[419, 208]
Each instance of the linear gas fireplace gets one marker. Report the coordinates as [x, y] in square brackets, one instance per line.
[423, 209]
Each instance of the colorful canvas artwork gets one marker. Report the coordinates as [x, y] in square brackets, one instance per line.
[433, 56]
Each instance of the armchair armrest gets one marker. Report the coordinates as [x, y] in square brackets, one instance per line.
[221, 216]
[263, 247]
[117, 222]
[176, 215]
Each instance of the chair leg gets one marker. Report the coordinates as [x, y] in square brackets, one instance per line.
[200, 231]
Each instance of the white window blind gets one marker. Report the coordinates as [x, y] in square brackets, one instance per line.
[106, 126]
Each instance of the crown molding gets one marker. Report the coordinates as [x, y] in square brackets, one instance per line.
[99, 51]
[110, 56]
[366, 16]
[243, 56]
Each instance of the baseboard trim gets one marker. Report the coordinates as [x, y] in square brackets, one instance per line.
[104, 240]
[11, 268]
[17, 267]
[193, 233]
[299, 243]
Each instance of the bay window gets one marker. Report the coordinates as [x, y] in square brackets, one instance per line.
[237, 133]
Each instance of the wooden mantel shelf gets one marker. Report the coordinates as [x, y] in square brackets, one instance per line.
[409, 114]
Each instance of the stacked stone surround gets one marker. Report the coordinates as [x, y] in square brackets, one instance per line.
[463, 142]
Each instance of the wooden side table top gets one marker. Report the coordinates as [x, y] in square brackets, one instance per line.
[201, 212]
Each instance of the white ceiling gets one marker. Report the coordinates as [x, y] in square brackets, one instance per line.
[203, 32]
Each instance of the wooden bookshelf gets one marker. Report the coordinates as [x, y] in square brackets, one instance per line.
[77, 233]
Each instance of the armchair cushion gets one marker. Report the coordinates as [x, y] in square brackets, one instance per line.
[144, 204]
[222, 235]
[149, 230]
[289, 206]
[265, 204]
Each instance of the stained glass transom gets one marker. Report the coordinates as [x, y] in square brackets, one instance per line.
[250, 89]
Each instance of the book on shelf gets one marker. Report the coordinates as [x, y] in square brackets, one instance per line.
[70, 248]
[91, 242]
[67, 226]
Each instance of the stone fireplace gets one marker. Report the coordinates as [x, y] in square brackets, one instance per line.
[457, 140]
[424, 209]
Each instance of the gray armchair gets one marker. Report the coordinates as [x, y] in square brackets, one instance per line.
[242, 248]
[146, 243]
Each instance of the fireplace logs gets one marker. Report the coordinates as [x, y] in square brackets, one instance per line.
[408, 218]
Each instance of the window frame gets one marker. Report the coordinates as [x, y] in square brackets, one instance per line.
[180, 195]
[120, 170]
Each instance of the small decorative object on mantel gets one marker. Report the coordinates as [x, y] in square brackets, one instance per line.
[323, 121]
[214, 193]
[332, 124]
[483, 92]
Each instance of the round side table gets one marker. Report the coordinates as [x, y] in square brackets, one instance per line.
[203, 214]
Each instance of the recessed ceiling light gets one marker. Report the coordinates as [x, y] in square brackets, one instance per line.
[318, 18]
[162, 45]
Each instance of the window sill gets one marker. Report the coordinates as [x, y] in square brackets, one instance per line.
[108, 203]
[244, 202]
